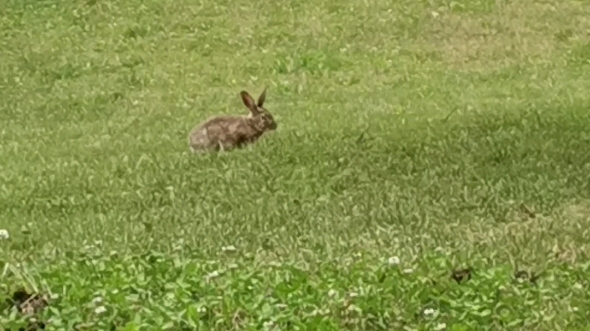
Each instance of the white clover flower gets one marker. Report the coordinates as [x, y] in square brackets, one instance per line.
[4, 234]
[228, 249]
[97, 300]
[394, 260]
[408, 271]
[429, 312]
[212, 275]
[354, 308]
[440, 326]
[100, 310]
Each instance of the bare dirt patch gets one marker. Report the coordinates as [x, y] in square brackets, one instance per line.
[517, 31]
[29, 304]
[562, 236]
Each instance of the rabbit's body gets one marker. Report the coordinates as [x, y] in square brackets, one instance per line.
[224, 132]
[228, 132]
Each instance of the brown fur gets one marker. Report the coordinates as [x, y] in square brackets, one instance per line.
[228, 132]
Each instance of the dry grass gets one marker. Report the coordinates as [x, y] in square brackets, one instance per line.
[515, 32]
[527, 234]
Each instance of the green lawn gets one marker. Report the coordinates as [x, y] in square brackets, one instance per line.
[448, 134]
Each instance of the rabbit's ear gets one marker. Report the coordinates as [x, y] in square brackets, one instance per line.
[261, 98]
[249, 102]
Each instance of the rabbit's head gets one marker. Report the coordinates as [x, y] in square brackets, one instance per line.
[259, 117]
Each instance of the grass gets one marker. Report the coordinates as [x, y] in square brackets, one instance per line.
[448, 134]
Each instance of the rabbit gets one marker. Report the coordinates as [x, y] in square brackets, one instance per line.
[229, 132]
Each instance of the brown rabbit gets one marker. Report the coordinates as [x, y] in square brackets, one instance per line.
[228, 132]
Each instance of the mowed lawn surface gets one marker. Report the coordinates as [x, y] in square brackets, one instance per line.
[448, 134]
